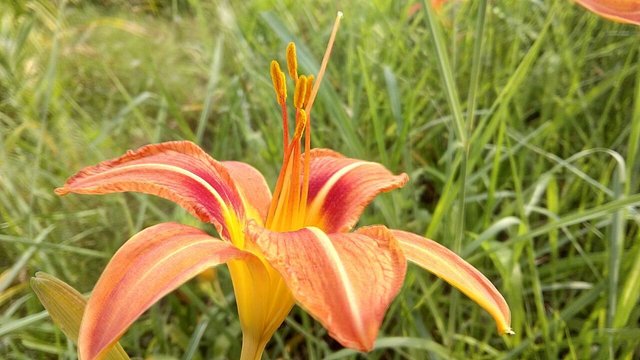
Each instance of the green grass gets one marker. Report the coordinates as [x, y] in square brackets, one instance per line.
[519, 125]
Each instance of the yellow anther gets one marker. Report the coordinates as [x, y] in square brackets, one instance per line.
[279, 82]
[307, 93]
[301, 122]
[292, 61]
[299, 94]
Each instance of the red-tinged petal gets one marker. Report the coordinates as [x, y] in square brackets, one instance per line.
[445, 264]
[148, 266]
[626, 11]
[346, 281]
[255, 191]
[340, 188]
[179, 171]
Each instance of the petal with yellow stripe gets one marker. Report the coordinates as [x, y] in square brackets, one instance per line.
[148, 266]
[179, 171]
[450, 267]
[340, 188]
[346, 281]
[254, 188]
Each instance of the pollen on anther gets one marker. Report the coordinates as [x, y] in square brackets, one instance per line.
[301, 123]
[279, 83]
[307, 93]
[292, 61]
[300, 92]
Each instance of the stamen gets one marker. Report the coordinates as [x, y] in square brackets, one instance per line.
[301, 123]
[281, 194]
[306, 172]
[293, 191]
[280, 87]
[307, 93]
[292, 61]
[280, 185]
[279, 83]
[288, 205]
[293, 201]
[289, 175]
[299, 94]
[285, 127]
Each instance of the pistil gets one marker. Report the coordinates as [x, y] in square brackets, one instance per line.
[287, 211]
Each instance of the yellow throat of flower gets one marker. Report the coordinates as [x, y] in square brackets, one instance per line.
[288, 205]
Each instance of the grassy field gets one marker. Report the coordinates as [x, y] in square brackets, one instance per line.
[518, 123]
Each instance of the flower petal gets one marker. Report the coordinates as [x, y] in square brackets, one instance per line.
[179, 171]
[346, 281]
[263, 302]
[253, 186]
[626, 11]
[148, 266]
[445, 264]
[340, 188]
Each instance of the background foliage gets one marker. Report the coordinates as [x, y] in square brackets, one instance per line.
[525, 161]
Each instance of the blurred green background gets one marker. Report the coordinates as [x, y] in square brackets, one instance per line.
[525, 162]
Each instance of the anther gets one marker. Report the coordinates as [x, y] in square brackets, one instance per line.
[307, 93]
[301, 123]
[299, 94]
[279, 83]
[292, 61]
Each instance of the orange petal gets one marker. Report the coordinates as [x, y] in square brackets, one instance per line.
[626, 11]
[179, 171]
[453, 269]
[255, 191]
[148, 266]
[346, 281]
[340, 188]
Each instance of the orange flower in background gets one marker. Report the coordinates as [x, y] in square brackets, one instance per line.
[435, 4]
[626, 11]
[294, 246]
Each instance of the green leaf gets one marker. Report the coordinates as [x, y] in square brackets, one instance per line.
[66, 306]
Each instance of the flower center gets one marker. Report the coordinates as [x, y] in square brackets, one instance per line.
[289, 203]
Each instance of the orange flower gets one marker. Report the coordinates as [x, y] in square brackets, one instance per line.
[435, 4]
[295, 246]
[626, 11]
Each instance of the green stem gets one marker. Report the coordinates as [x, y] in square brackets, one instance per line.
[475, 65]
[444, 65]
[616, 244]
[462, 131]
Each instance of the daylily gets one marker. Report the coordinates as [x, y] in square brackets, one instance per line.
[626, 11]
[292, 246]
